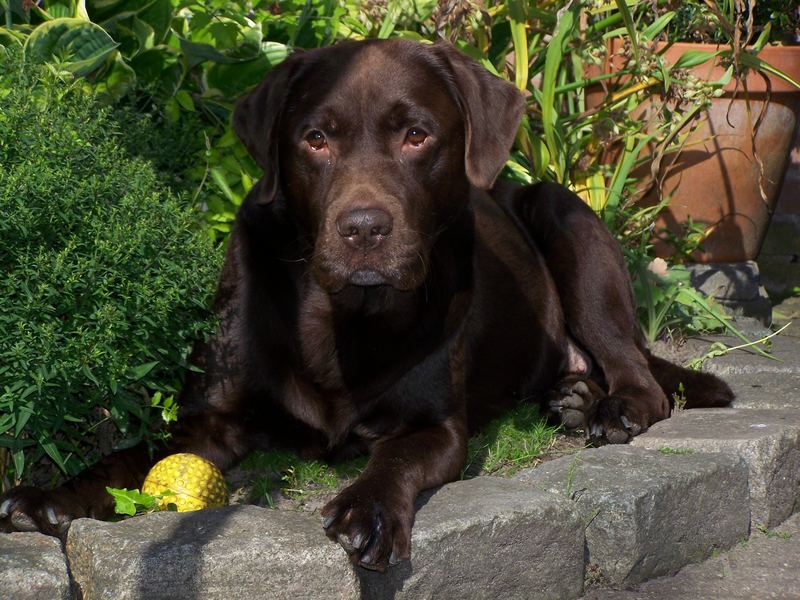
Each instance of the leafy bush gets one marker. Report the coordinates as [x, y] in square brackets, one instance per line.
[106, 277]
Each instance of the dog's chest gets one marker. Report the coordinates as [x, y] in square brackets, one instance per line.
[333, 414]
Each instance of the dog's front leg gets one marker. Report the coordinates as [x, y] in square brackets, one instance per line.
[372, 518]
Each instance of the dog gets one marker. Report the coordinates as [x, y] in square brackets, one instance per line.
[382, 293]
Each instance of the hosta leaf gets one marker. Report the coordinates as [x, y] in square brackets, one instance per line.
[80, 46]
[144, 34]
[11, 38]
[59, 10]
[116, 82]
[158, 15]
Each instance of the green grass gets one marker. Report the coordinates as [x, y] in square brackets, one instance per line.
[574, 465]
[296, 478]
[668, 450]
[772, 534]
[514, 441]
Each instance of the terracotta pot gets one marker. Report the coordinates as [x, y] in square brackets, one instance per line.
[715, 180]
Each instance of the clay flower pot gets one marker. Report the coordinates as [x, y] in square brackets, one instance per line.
[717, 179]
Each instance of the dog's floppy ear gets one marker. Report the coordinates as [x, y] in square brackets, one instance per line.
[256, 118]
[492, 109]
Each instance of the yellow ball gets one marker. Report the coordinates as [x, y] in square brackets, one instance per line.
[194, 483]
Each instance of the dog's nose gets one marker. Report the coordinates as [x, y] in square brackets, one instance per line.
[364, 227]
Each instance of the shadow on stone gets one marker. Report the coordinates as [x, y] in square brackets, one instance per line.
[258, 552]
[164, 553]
[387, 585]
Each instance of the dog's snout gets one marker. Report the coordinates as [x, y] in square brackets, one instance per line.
[364, 227]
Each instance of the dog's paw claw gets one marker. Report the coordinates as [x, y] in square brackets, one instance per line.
[5, 507]
[371, 533]
[328, 521]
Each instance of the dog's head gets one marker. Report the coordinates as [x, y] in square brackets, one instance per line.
[374, 146]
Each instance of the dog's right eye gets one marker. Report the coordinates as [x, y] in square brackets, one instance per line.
[416, 136]
[316, 139]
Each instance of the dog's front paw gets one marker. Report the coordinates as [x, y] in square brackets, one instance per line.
[626, 414]
[32, 509]
[373, 527]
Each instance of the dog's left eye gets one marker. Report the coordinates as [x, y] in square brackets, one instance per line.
[316, 139]
[416, 136]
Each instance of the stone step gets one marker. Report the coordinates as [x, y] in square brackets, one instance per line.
[489, 537]
[207, 554]
[768, 440]
[647, 513]
[32, 567]
[766, 390]
[534, 541]
[764, 566]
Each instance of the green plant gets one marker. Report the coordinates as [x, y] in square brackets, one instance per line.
[572, 473]
[106, 279]
[133, 502]
[698, 21]
[181, 65]
[187, 62]
[296, 478]
[720, 349]
[512, 442]
[583, 127]
[679, 398]
[665, 299]
[675, 451]
[771, 533]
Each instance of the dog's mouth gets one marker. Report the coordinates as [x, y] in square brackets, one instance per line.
[398, 264]
[335, 278]
[367, 278]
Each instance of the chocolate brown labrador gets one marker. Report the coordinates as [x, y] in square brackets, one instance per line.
[382, 294]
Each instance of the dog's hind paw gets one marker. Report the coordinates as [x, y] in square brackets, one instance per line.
[575, 402]
[615, 419]
[627, 413]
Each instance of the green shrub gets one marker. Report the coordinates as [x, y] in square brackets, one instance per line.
[106, 277]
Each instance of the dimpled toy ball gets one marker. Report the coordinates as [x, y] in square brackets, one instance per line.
[195, 483]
